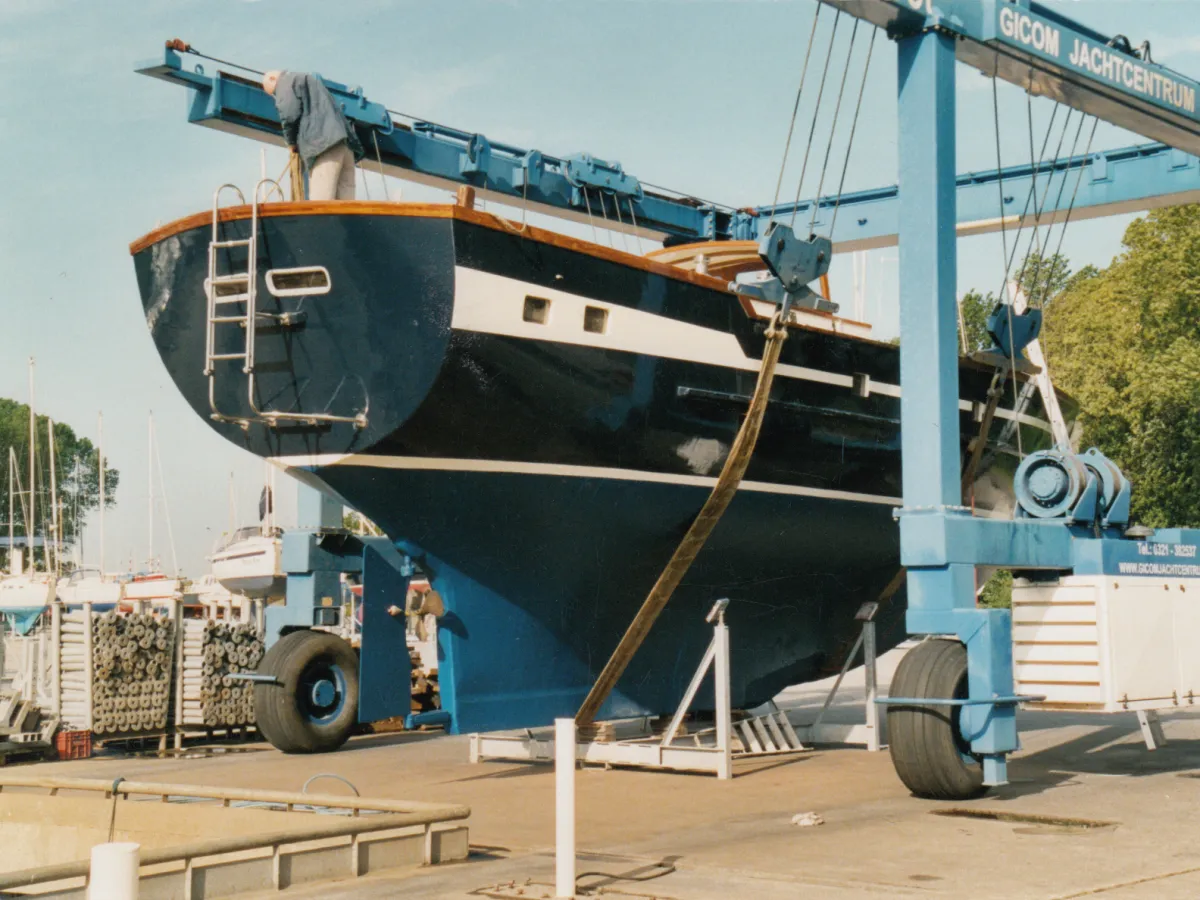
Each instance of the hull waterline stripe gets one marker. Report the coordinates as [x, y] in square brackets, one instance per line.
[495, 466]
[486, 303]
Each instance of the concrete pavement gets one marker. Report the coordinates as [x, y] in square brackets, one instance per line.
[690, 837]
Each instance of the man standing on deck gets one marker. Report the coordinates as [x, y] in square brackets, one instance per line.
[314, 127]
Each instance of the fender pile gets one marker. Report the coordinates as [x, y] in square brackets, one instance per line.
[212, 652]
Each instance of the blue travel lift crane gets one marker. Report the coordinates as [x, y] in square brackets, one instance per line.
[952, 713]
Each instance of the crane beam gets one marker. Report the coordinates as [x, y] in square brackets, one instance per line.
[1049, 54]
[588, 190]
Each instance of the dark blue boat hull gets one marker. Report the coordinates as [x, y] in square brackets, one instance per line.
[544, 481]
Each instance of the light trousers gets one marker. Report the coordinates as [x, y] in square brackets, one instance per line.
[332, 175]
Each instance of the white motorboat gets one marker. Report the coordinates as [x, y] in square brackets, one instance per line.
[88, 584]
[250, 562]
[152, 587]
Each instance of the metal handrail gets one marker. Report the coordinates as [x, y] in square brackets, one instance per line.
[395, 815]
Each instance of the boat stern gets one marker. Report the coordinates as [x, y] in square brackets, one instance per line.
[298, 328]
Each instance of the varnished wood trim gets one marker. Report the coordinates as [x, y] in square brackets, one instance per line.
[307, 208]
[429, 211]
[1052, 603]
[1054, 624]
[1055, 662]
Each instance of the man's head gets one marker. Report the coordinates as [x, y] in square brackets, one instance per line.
[270, 80]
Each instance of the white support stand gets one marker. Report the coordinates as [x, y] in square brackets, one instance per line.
[710, 750]
[564, 808]
[869, 734]
[1152, 731]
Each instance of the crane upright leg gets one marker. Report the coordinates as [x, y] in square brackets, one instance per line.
[941, 590]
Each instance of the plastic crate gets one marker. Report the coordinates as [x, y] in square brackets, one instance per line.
[73, 744]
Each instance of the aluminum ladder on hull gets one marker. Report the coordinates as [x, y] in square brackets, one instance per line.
[239, 290]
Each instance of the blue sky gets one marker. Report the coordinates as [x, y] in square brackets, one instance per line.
[692, 94]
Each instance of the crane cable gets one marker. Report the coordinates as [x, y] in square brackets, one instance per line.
[1087, 151]
[837, 110]
[853, 130]
[1039, 208]
[1031, 386]
[787, 146]
[1035, 166]
[698, 532]
[812, 130]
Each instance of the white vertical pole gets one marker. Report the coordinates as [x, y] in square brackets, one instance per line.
[39, 693]
[87, 667]
[114, 872]
[31, 525]
[564, 808]
[721, 689]
[100, 465]
[53, 497]
[12, 488]
[177, 621]
[150, 492]
[56, 658]
[873, 740]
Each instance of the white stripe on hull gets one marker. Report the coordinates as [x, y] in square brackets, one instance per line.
[486, 303]
[445, 464]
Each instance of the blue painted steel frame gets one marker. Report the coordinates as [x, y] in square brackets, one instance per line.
[941, 592]
[1125, 180]
[314, 560]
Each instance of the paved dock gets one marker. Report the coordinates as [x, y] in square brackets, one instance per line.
[1125, 823]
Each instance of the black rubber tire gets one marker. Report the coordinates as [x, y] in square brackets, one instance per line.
[280, 709]
[926, 742]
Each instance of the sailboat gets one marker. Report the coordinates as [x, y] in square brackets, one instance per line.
[24, 592]
[537, 419]
[152, 585]
[249, 560]
[89, 583]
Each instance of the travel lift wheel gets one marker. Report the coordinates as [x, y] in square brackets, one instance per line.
[928, 749]
[313, 705]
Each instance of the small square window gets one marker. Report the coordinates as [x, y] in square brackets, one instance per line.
[537, 310]
[595, 319]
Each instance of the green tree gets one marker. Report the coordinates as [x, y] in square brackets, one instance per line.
[75, 469]
[1125, 342]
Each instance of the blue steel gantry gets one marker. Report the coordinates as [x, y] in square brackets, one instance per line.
[1020, 41]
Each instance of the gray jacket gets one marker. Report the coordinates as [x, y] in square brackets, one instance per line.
[312, 119]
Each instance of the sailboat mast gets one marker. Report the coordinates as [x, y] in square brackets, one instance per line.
[100, 465]
[53, 498]
[31, 522]
[12, 510]
[150, 492]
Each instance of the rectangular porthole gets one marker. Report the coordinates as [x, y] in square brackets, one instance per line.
[298, 282]
[862, 384]
[595, 319]
[537, 310]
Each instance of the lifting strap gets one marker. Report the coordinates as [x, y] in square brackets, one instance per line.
[702, 526]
